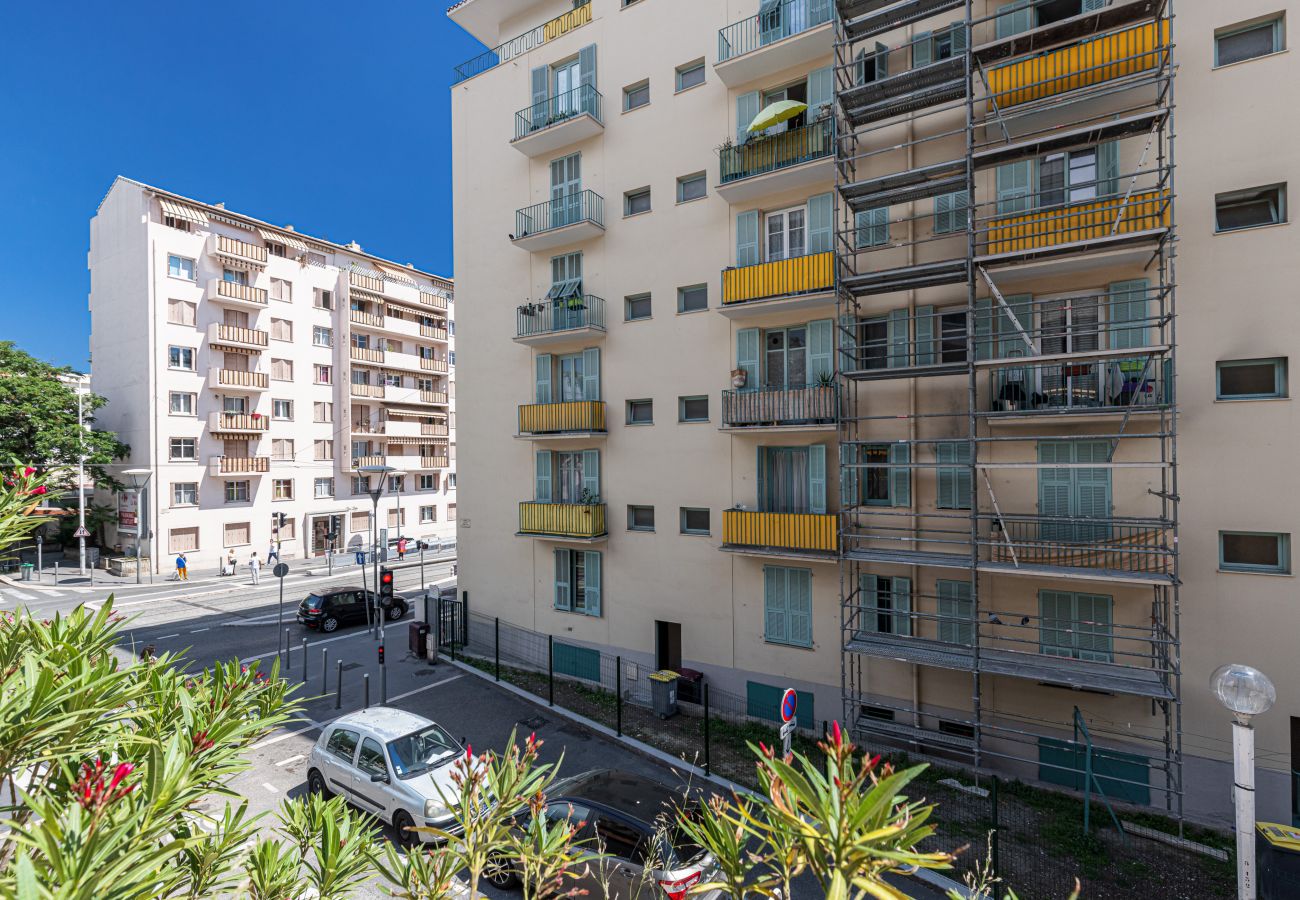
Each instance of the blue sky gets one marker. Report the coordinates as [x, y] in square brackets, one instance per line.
[330, 116]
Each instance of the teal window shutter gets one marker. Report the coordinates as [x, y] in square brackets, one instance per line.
[799, 607]
[1015, 186]
[746, 109]
[900, 475]
[896, 328]
[958, 30]
[821, 210]
[901, 591]
[747, 238]
[543, 470]
[955, 607]
[563, 566]
[542, 370]
[954, 475]
[587, 65]
[1128, 303]
[762, 479]
[775, 621]
[1014, 18]
[541, 88]
[871, 227]
[984, 329]
[882, 61]
[591, 472]
[821, 89]
[591, 373]
[591, 582]
[868, 602]
[820, 359]
[747, 341]
[1055, 615]
[921, 47]
[1107, 169]
[848, 476]
[925, 355]
[950, 212]
[1094, 5]
[817, 478]
[1092, 631]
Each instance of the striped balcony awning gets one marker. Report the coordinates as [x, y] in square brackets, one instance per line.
[183, 211]
[363, 294]
[403, 411]
[407, 440]
[395, 273]
[279, 237]
[231, 348]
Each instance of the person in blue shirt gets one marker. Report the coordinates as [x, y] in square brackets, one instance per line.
[182, 573]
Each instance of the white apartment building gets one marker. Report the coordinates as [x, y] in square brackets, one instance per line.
[254, 370]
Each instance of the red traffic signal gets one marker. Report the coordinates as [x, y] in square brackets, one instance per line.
[385, 588]
[381, 654]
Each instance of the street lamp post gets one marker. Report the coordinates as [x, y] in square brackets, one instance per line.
[139, 481]
[81, 483]
[1246, 692]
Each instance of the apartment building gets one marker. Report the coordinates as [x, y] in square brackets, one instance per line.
[888, 400]
[255, 370]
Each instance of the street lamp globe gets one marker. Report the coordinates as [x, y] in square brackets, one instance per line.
[137, 478]
[1244, 690]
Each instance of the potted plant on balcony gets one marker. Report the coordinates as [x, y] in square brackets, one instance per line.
[739, 377]
[823, 397]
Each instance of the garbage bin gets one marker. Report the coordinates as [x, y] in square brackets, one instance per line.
[1277, 860]
[417, 636]
[25, 571]
[688, 685]
[663, 693]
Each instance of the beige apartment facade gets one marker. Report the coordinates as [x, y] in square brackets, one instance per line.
[254, 370]
[924, 401]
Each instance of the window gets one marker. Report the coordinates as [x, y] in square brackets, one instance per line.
[693, 409]
[286, 532]
[692, 298]
[183, 540]
[178, 224]
[1075, 625]
[884, 605]
[427, 482]
[360, 522]
[322, 451]
[428, 514]
[787, 233]
[640, 412]
[322, 412]
[360, 484]
[1240, 42]
[1251, 551]
[636, 202]
[871, 227]
[952, 336]
[282, 370]
[787, 606]
[237, 491]
[451, 358]
[181, 312]
[235, 406]
[577, 580]
[180, 267]
[282, 409]
[451, 512]
[567, 476]
[282, 449]
[185, 493]
[950, 212]
[281, 330]
[393, 519]
[636, 95]
[879, 476]
[282, 489]
[694, 521]
[323, 374]
[281, 290]
[275, 249]
[691, 187]
[954, 475]
[396, 483]
[1251, 379]
[322, 336]
[324, 299]
[181, 404]
[636, 307]
[1252, 208]
[323, 488]
[451, 476]
[235, 276]
[640, 518]
[180, 358]
[689, 75]
[181, 449]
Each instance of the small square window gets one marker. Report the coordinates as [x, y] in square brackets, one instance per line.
[322, 336]
[1241, 42]
[185, 493]
[181, 404]
[1251, 379]
[636, 307]
[693, 298]
[640, 412]
[690, 74]
[693, 409]
[636, 202]
[282, 489]
[636, 95]
[323, 487]
[181, 448]
[1250, 551]
[691, 187]
[694, 520]
[640, 518]
[180, 267]
[237, 491]
[180, 358]
[324, 299]
[282, 409]
[1251, 208]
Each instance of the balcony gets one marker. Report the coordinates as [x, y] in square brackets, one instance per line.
[366, 282]
[360, 461]
[371, 320]
[434, 429]
[432, 300]
[238, 465]
[433, 462]
[238, 423]
[235, 379]
[790, 160]
[814, 408]
[1079, 389]
[803, 282]
[1137, 216]
[371, 355]
[236, 336]
[529, 40]
[371, 391]
[789, 34]
[780, 534]
[563, 521]
[240, 254]
[1110, 549]
[569, 219]
[433, 332]
[558, 122]
[557, 321]
[232, 293]
[570, 419]
[438, 366]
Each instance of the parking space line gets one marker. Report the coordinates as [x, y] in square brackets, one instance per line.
[197, 630]
[270, 787]
[311, 725]
[163, 637]
[424, 688]
[293, 759]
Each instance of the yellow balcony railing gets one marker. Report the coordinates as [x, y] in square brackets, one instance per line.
[1143, 211]
[434, 429]
[558, 418]
[1081, 65]
[432, 397]
[433, 462]
[575, 520]
[367, 390]
[800, 275]
[815, 532]
[372, 460]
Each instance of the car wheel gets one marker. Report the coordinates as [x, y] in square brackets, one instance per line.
[396, 611]
[316, 784]
[500, 874]
[402, 824]
[329, 623]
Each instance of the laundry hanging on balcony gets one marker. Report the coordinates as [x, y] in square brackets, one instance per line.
[775, 114]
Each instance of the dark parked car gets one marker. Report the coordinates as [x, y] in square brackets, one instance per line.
[328, 610]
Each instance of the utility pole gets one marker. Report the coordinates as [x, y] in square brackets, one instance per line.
[81, 483]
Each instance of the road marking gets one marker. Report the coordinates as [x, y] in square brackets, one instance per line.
[270, 787]
[293, 759]
[163, 637]
[20, 595]
[267, 742]
[424, 688]
[197, 630]
[342, 637]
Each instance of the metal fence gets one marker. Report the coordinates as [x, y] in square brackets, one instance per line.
[566, 314]
[584, 99]
[768, 153]
[776, 20]
[570, 209]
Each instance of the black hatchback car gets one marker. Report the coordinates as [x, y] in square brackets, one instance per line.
[328, 610]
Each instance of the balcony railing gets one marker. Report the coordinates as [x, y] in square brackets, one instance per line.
[366, 390]
[240, 465]
[433, 462]
[433, 332]
[433, 365]
[437, 301]
[582, 206]
[1073, 222]
[582, 100]
[809, 532]
[237, 335]
[224, 421]
[1136, 546]
[782, 20]
[366, 282]
[574, 520]
[800, 275]
[1109, 385]
[375, 460]
[768, 153]
[242, 250]
[357, 317]
[576, 416]
[433, 397]
[529, 40]
[366, 354]
[434, 429]
[237, 378]
[233, 290]
[814, 405]
[587, 311]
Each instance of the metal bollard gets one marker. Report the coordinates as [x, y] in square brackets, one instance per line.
[383, 685]
[56, 574]
[285, 667]
[338, 686]
[365, 684]
[324, 670]
[304, 660]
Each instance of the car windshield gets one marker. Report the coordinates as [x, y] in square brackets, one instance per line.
[422, 750]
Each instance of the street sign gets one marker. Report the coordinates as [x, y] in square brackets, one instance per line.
[81, 532]
[787, 731]
[280, 570]
[789, 702]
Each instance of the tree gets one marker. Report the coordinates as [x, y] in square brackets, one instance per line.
[38, 419]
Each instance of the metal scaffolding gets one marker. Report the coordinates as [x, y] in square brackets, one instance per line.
[1042, 132]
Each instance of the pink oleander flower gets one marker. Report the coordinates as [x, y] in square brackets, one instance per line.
[91, 790]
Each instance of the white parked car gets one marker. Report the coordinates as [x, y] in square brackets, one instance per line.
[391, 764]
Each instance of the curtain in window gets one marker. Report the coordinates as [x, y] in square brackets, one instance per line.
[786, 480]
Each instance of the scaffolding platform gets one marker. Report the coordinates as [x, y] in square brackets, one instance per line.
[903, 278]
[1067, 31]
[1040, 570]
[903, 187]
[864, 18]
[910, 557]
[912, 734]
[906, 92]
[1087, 245]
[1057, 140]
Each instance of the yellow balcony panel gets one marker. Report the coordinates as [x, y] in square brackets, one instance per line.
[366, 354]
[433, 365]
[1076, 222]
[1094, 61]
[563, 521]
[802, 279]
[433, 462]
[372, 460]
[776, 534]
[437, 301]
[572, 418]
[357, 317]
[366, 282]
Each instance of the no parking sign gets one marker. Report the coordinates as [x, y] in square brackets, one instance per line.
[789, 705]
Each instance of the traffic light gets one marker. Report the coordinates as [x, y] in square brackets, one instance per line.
[280, 519]
[385, 587]
[381, 654]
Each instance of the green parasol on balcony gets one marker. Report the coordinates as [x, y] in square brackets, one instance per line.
[775, 114]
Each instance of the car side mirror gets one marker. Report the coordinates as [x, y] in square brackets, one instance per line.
[379, 777]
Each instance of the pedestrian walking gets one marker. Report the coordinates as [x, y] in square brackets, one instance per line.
[231, 563]
[254, 566]
[401, 548]
[146, 653]
[273, 554]
[182, 572]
